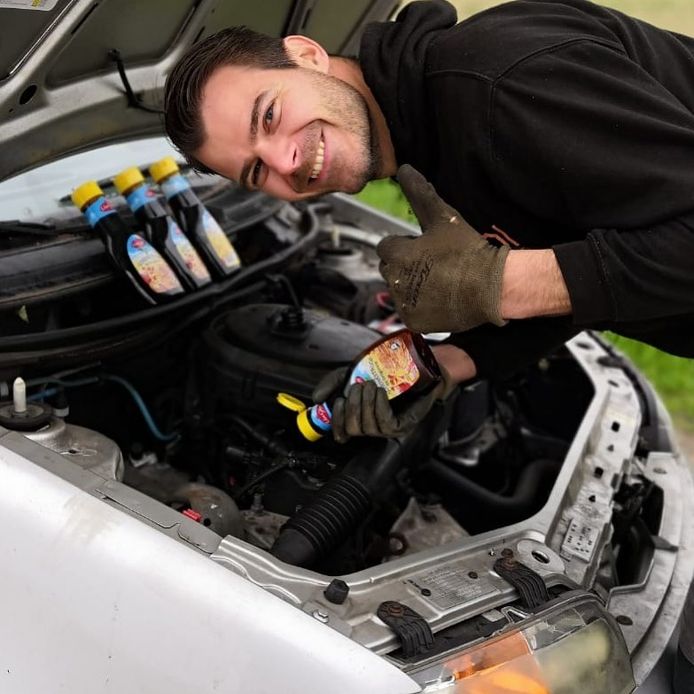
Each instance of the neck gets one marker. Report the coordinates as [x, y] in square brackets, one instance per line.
[349, 71]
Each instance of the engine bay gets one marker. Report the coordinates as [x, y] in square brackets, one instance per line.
[179, 401]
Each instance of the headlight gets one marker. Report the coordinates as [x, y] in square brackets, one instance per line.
[573, 650]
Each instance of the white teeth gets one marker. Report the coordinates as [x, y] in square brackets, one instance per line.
[318, 164]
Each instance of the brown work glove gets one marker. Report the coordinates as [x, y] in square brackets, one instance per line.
[447, 279]
[366, 410]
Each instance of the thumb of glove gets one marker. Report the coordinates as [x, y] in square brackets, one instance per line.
[426, 204]
[330, 385]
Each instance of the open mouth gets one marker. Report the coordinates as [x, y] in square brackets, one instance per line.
[318, 163]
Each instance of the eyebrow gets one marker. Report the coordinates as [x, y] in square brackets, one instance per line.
[255, 113]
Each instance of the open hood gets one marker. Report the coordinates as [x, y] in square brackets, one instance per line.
[60, 87]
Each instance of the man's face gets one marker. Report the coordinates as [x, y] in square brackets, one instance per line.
[292, 133]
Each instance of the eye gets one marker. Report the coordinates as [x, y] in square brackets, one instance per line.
[269, 114]
[255, 174]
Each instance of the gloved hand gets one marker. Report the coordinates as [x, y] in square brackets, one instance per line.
[366, 411]
[447, 279]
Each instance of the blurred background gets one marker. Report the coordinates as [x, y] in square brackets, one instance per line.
[672, 377]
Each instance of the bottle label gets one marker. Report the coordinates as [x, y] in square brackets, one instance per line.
[99, 209]
[140, 196]
[173, 185]
[390, 364]
[321, 416]
[188, 253]
[153, 269]
[219, 242]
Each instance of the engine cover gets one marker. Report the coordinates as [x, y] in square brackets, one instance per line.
[253, 352]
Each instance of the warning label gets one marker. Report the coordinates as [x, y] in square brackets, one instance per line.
[451, 586]
[581, 540]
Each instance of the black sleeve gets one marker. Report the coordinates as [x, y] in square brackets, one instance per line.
[583, 134]
[499, 353]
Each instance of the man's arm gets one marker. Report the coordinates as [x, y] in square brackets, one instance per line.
[533, 286]
[586, 137]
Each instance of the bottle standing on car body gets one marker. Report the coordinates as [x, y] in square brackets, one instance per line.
[161, 229]
[130, 252]
[194, 218]
[401, 363]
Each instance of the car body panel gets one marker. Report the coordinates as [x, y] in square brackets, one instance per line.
[96, 600]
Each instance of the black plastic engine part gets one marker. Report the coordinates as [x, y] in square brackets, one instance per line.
[530, 585]
[324, 523]
[253, 352]
[336, 592]
[534, 483]
[482, 509]
[340, 505]
[35, 416]
[411, 628]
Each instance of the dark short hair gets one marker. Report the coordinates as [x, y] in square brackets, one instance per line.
[184, 86]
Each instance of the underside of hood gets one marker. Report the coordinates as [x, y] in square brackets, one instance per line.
[61, 91]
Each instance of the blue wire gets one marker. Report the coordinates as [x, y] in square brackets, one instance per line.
[149, 420]
[143, 408]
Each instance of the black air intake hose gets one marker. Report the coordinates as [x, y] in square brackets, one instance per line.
[324, 523]
[339, 506]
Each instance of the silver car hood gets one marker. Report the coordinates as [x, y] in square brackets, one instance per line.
[60, 89]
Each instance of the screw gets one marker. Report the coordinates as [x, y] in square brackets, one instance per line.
[321, 616]
[507, 552]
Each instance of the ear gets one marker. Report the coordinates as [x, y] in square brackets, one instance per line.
[305, 52]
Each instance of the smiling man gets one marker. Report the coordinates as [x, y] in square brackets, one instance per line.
[559, 133]
[292, 121]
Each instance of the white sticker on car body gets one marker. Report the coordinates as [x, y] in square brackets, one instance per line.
[581, 539]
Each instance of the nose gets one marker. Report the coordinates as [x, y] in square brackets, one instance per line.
[280, 155]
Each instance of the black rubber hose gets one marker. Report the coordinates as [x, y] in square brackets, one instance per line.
[339, 507]
[477, 502]
[324, 523]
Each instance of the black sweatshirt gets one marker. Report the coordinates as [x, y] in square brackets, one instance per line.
[555, 124]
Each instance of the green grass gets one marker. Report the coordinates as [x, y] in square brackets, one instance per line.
[387, 196]
[672, 377]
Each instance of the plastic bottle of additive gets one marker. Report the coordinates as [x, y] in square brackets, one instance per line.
[200, 226]
[161, 229]
[401, 362]
[132, 254]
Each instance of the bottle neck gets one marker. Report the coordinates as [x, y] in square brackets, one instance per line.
[177, 189]
[97, 209]
[139, 196]
[173, 185]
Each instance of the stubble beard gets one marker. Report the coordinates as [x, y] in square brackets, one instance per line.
[348, 110]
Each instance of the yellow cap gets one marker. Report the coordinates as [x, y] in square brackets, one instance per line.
[127, 179]
[306, 428]
[302, 420]
[163, 168]
[86, 193]
[290, 402]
